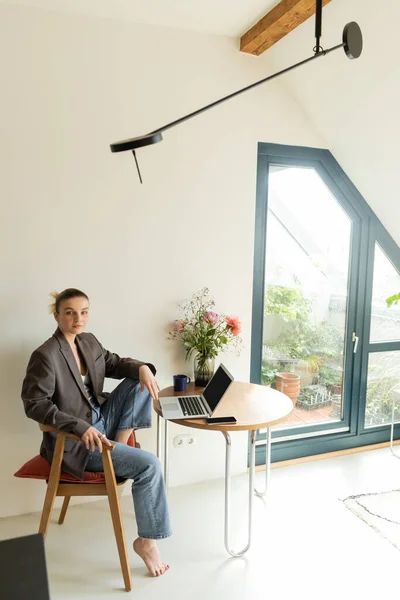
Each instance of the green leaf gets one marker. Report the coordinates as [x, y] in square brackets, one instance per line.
[393, 300]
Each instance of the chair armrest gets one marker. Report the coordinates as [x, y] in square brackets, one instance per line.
[47, 428]
[59, 431]
[109, 447]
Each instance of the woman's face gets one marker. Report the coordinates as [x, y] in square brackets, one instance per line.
[73, 315]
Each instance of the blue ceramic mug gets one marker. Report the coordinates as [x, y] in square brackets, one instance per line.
[180, 383]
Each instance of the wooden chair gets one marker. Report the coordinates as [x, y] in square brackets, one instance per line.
[108, 487]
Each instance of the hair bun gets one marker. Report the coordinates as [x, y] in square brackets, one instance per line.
[52, 306]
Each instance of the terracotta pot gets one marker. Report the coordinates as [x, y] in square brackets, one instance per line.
[288, 384]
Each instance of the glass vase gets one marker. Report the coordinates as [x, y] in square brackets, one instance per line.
[203, 370]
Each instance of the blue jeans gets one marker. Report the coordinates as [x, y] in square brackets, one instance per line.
[128, 408]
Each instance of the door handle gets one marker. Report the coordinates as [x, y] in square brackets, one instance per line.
[355, 340]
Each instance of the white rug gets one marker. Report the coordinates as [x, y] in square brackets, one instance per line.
[381, 511]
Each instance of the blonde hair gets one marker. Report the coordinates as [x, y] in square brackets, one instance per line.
[57, 298]
[52, 306]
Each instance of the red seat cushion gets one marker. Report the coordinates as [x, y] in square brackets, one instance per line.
[39, 468]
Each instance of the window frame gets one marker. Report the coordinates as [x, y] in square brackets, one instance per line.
[367, 230]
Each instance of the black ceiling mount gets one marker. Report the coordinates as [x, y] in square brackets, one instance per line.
[352, 43]
[318, 26]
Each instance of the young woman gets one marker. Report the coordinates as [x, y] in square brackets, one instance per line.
[63, 387]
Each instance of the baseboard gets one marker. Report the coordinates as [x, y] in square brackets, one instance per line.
[306, 459]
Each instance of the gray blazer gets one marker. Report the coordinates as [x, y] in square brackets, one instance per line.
[53, 392]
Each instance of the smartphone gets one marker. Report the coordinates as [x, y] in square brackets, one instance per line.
[221, 420]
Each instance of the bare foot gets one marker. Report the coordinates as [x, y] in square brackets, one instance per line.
[148, 552]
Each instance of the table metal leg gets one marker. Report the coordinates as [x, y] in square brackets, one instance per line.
[228, 490]
[159, 445]
[267, 464]
[166, 453]
[158, 436]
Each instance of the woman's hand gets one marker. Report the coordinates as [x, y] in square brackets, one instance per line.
[92, 438]
[147, 379]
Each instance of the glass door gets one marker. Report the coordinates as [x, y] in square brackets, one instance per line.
[308, 247]
[383, 360]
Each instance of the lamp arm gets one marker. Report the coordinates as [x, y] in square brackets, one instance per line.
[245, 89]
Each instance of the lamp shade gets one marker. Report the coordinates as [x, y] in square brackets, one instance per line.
[137, 142]
[352, 40]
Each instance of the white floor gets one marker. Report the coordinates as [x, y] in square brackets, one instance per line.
[306, 544]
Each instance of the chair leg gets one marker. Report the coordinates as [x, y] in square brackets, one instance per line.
[64, 510]
[52, 485]
[120, 490]
[115, 510]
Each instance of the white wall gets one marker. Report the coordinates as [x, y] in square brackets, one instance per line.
[73, 214]
[353, 103]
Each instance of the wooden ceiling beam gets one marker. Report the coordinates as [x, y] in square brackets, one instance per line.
[281, 20]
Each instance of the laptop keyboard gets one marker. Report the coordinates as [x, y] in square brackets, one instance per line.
[191, 405]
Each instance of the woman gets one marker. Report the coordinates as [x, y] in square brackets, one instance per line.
[63, 387]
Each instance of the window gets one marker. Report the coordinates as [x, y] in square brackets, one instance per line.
[321, 279]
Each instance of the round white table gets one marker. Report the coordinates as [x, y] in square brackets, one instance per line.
[254, 407]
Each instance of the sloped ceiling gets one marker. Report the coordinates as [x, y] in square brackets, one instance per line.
[354, 104]
[223, 17]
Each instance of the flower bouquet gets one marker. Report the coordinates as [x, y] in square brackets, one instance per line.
[205, 332]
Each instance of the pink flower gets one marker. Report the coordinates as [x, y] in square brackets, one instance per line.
[179, 325]
[234, 324]
[211, 317]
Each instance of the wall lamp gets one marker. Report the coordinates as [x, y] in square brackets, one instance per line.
[352, 43]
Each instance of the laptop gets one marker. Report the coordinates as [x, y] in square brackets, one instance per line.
[23, 573]
[199, 406]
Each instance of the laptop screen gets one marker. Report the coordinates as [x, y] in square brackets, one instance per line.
[217, 387]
